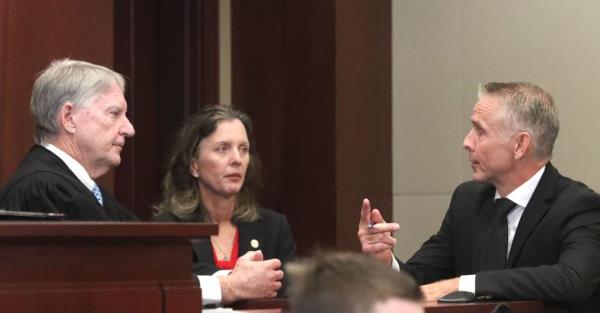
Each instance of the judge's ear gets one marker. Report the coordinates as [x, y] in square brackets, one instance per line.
[522, 144]
[66, 117]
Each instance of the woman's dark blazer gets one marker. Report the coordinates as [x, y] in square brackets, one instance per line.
[271, 230]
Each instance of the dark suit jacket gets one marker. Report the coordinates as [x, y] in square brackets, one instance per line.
[44, 183]
[555, 255]
[271, 230]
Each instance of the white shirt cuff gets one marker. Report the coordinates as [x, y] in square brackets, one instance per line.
[466, 283]
[395, 264]
[211, 288]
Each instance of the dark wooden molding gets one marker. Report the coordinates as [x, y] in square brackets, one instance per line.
[168, 50]
[316, 78]
[33, 34]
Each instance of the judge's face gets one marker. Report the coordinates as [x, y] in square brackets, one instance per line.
[221, 160]
[100, 131]
[488, 142]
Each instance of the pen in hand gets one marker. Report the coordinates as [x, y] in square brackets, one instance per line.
[370, 223]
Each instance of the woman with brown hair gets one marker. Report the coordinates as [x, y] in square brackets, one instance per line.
[212, 177]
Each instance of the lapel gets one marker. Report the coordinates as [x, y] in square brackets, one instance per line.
[484, 219]
[251, 236]
[536, 209]
[63, 170]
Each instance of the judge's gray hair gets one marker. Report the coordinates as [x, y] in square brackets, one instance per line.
[66, 80]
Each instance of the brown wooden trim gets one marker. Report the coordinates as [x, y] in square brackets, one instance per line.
[363, 112]
[137, 179]
[33, 34]
[208, 52]
[523, 306]
[315, 76]
[169, 51]
[86, 230]
[4, 9]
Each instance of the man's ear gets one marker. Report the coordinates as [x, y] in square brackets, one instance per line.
[66, 117]
[522, 144]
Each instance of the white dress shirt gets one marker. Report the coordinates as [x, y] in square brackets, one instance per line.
[72, 164]
[211, 287]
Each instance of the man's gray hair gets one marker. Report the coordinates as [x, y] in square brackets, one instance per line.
[529, 108]
[66, 80]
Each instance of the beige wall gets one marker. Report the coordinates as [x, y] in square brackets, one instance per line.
[442, 50]
[225, 52]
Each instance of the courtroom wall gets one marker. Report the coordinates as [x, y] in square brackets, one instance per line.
[442, 50]
[32, 33]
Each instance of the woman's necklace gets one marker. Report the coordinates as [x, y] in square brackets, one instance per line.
[216, 244]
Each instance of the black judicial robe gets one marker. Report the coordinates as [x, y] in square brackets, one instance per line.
[44, 183]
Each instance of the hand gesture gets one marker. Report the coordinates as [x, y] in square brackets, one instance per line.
[375, 234]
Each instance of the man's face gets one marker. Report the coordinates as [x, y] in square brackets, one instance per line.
[101, 128]
[490, 148]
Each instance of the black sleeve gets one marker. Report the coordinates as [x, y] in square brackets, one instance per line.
[435, 259]
[41, 195]
[286, 248]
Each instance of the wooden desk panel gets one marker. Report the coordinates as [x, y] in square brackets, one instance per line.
[282, 305]
[67, 267]
[484, 307]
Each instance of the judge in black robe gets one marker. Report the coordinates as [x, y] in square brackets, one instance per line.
[44, 183]
[79, 113]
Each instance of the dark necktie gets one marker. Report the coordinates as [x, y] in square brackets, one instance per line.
[494, 253]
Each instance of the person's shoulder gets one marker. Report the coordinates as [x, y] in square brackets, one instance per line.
[39, 180]
[268, 214]
[165, 217]
[38, 192]
[270, 217]
[474, 187]
[570, 188]
[41, 167]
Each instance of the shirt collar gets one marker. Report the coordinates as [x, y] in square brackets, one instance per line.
[72, 164]
[523, 193]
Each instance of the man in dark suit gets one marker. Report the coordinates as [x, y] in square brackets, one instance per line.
[544, 244]
[80, 128]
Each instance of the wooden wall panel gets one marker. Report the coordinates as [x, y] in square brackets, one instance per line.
[282, 56]
[36, 33]
[136, 56]
[168, 49]
[363, 112]
[308, 106]
[315, 77]
[4, 148]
